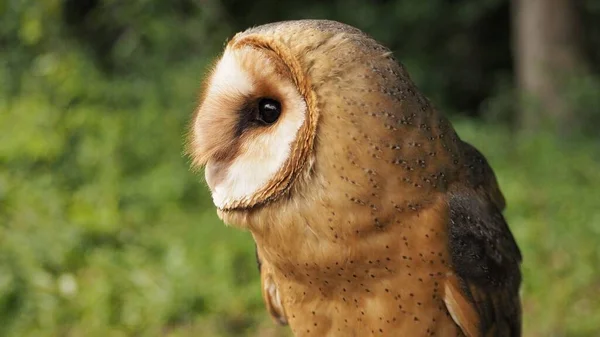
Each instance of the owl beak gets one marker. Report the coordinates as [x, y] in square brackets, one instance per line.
[214, 173]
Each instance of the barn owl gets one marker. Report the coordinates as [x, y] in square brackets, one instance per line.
[371, 217]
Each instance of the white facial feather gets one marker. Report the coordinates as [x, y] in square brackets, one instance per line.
[229, 77]
[264, 155]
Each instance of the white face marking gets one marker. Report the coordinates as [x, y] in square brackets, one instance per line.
[229, 77]
[265, 154]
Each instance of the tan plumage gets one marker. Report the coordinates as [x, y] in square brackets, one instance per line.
[370, 215]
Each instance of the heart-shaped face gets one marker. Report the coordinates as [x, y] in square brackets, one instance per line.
[246, 126]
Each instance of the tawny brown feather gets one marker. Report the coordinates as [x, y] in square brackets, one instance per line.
[460, 308]
[270, 291]
[380, 221]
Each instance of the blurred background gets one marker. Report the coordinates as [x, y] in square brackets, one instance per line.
[104, 231]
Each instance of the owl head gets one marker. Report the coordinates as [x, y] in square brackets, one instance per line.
[308, 105]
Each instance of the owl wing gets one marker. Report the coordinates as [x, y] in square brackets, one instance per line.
[482, 292]
[480, 175]
[269, 290]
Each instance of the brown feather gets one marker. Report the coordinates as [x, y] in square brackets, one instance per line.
[460, 308]
[270, 292]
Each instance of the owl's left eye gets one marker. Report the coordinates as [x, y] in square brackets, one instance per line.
[268, 110]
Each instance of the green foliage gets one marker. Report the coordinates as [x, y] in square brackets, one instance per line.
[104, 231]
[584, 101]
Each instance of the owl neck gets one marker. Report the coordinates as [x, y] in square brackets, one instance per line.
[316, 242]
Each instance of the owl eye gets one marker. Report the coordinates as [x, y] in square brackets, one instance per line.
[268, 110]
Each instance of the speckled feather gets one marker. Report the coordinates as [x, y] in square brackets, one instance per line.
[381, 222]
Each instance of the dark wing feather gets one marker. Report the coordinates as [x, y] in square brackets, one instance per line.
[485, 257]
[481, 176]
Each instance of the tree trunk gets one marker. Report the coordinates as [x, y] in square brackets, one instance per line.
[547, 52]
